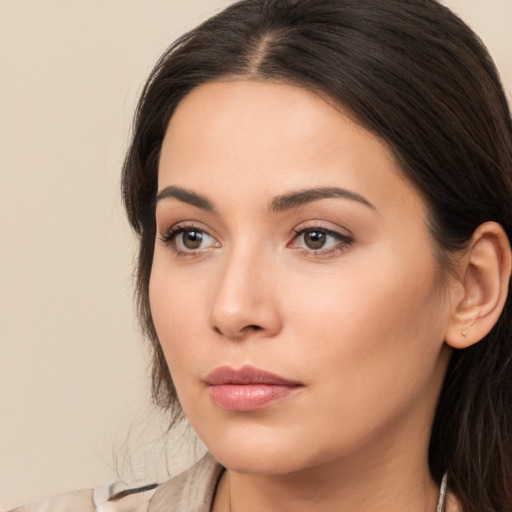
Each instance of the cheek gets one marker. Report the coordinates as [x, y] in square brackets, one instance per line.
[177, 308]
[371, 328]
[370, 358]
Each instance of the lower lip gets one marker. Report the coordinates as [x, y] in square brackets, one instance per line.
[248, 397]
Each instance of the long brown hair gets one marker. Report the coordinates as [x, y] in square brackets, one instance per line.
[415, 75]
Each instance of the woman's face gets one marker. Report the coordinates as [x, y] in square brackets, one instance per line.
[288, 243]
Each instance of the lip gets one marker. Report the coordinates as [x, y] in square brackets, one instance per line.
[248, 388]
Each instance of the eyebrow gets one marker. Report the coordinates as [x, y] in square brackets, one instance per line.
[278, 204]
[185, 196]
[302, 197]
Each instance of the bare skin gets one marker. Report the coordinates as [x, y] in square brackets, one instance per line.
[337, 290]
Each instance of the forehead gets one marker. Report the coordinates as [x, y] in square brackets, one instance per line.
[271, 136]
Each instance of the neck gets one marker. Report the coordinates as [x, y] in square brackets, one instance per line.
[329, 488]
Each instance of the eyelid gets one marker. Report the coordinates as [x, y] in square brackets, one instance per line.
[171, 231]
[338, 231]
[169, 236]
[344, 240]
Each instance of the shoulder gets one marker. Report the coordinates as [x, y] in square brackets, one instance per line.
[94, 500]
[82, 500]
[192, 490]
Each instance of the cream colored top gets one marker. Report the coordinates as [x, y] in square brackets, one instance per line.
[191, 491]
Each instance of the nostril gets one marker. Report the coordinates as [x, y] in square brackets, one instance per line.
[240, 333]
[254, 328]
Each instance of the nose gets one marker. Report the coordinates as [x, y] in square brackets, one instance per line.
[245, 303]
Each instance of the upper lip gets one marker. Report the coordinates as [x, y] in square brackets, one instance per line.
[246, 375]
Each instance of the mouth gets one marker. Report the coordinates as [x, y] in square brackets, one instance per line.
[248, 388]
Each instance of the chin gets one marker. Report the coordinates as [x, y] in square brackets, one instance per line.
[260, 451]
[269, 462]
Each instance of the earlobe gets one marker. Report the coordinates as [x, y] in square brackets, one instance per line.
[483, 287]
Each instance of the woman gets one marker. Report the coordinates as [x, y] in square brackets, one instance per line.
[322, 194]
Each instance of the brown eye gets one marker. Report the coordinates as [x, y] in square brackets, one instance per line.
[188, 240]
[192, 239]
[314, 239]
[320, 242]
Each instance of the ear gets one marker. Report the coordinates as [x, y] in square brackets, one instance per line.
[479, 296]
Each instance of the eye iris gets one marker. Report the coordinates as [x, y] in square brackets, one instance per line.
[315, 239]
[192, 239]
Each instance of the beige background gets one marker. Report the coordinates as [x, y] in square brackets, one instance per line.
[73, 379]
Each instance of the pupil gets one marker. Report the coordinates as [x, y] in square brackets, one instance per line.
[192, 239]
[315, 239]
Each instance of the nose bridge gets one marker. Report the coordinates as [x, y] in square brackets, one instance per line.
[244, 302]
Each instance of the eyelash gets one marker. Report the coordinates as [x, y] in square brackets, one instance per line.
[169, 238]
[344, 241]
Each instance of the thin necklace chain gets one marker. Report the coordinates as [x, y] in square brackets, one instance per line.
[440, 501]
[442, 494]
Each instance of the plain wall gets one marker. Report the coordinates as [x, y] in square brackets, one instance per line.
[74, 386]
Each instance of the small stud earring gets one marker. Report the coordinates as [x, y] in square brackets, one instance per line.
[464, 333]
